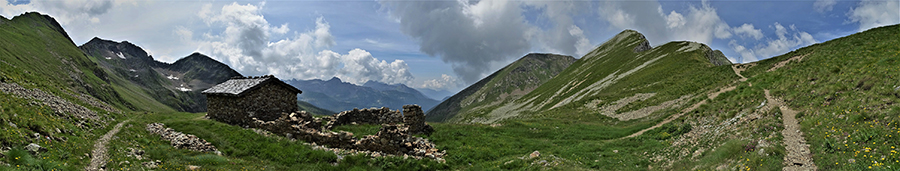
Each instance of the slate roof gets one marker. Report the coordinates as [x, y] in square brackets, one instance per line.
[239, 86]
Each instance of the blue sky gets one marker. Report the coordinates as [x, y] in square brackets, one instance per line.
[444, 45]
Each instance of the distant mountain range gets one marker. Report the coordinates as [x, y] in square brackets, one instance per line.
[336, 95]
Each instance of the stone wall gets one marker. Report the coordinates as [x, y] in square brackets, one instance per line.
[415, 118]
[412, 116]
[393, 138]
[265, 103]
[381, 115]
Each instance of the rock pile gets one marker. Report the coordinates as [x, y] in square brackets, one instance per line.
[60, 106]
[394, 137]
[180, 140]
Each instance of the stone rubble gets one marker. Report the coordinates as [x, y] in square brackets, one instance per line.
[394, 138]
[181, 140]
[60, 106]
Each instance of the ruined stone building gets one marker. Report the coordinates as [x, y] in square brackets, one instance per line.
[240, 99]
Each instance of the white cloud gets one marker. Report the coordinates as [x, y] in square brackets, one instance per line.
[823, 6]
[749, 31]
[746, 54]
[360, 66]
[247, 45]
[443, 83]
[474, 36]
[699, 23]
[63, 11]
[784, 43]
[875, 13]
[674, 19]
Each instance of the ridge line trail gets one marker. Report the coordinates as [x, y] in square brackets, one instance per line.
[710, 96]
[98, 155]
[798, 157]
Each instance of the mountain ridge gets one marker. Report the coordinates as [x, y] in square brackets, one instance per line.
[336, 95]
[508, 83]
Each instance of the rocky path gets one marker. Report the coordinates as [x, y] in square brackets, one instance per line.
[98, 155]
[798, 155]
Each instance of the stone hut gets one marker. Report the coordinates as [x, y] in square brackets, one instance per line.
[240, 99]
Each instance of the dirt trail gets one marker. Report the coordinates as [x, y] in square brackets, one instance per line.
[98, 155]
[785, 62]
[738, 68]
[798, 157]
[713, 95]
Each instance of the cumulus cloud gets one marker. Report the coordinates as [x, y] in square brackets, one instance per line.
[786, 40]
[474, 36]
[445, 82]
[748, 30]
[64, 11]
[875, 13]
[247, 44]
[564, 36]
[467, 36]
[698, 23]
[674, 19]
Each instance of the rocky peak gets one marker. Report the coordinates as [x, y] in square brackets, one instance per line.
[334, 80]
[124, 50]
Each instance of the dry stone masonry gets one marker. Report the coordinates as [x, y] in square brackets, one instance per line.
[394, 138]
[237, 100]
[181, 140]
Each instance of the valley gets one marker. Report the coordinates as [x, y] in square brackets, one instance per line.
[625, 105]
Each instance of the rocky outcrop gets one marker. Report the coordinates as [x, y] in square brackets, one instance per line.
[181, 140]
[394, 138]
[716, 57]
[643, 46]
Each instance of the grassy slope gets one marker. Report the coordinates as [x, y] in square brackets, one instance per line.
[508, 83]
[850, 112]
[580, 135]
[36, 54]
[846, 90]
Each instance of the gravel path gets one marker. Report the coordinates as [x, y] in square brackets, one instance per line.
[98, 155]
[798, 157]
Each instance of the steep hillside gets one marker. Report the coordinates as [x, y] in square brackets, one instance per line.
[336, 95]
[175, 85]
[508, 83]
[623, 79]
[37, 53]
[51, 94]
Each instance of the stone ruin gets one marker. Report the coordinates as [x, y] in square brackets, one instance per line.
[393, 138]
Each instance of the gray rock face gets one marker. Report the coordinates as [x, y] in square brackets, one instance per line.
[643, 47]
[716, 57]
